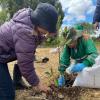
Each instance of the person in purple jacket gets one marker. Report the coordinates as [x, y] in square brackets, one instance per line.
[19, 39]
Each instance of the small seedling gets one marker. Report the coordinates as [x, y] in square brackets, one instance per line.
[52, 77]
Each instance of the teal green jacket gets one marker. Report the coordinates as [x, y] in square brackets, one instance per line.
[85, 49]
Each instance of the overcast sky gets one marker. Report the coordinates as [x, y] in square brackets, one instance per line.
[77, 11]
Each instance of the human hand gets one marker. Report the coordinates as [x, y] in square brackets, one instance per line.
[41, 88]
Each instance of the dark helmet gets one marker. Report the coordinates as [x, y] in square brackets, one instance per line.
[45, 16]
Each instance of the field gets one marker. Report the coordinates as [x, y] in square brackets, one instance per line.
[72, 93]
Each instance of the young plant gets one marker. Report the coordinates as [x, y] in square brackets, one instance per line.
[53, 77]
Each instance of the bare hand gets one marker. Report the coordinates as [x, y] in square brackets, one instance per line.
[41, 88]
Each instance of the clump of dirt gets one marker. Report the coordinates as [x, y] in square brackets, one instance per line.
[65, 93]
[29, 95]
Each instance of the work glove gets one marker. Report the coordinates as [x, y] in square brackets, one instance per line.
[61, 80]
[78, 67]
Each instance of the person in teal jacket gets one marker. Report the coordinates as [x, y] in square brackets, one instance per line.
[82, 51]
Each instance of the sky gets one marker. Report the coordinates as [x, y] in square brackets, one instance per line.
[77, 11]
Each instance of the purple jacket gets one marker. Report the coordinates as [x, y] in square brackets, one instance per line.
[17, 34]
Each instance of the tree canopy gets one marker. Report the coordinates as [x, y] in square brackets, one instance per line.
[11, 6]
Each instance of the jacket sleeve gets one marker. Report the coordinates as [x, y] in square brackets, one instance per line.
[91, 52]
[25, 48]
[65, 57]
[96, 17]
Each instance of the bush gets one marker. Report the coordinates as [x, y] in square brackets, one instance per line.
[3, 16]
[52, 42]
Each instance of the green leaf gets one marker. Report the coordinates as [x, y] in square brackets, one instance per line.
[48, 73]
[56, 82]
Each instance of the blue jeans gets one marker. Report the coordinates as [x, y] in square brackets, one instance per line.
[7, 91]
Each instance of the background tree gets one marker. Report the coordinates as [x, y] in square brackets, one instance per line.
[12, 6]
[3, 16]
